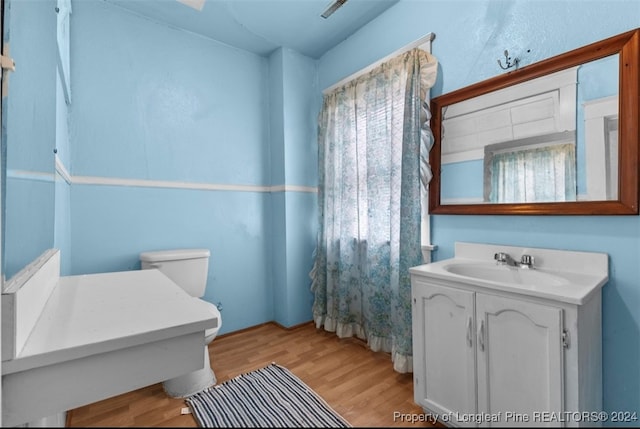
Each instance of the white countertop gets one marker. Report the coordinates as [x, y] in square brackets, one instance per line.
[578, 288]
[97, 313]
[582, 273]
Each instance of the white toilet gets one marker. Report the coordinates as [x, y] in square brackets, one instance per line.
[188, 268]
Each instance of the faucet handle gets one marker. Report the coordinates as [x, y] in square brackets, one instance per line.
[526, 261]
[500, 257]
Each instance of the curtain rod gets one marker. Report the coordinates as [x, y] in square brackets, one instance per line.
[423, 42]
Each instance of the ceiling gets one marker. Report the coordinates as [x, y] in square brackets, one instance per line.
[260, 26]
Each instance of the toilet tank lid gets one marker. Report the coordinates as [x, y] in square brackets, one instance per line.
[174, 255]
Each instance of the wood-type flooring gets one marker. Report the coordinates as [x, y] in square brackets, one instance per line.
[357, 383]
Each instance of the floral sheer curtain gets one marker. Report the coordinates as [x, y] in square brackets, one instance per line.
[538, 174]
[373, 150]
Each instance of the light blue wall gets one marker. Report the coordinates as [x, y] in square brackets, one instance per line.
[294, 108]
[276, 115]
[302, 103]
[156, 103]
[470, 37]
[32, 88]
[462, 180]
[62, 201]
[62, 223]
[278, 218]
[111, 225]
[29, 220]
[29, 129]
[153, 102]
[301, 209]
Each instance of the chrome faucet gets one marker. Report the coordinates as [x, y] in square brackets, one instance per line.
[504, 259]
[526, 261]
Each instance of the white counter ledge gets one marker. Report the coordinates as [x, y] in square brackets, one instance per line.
[97, 313]
[100, 335]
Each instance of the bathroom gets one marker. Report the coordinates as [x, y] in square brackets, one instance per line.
[247, 124]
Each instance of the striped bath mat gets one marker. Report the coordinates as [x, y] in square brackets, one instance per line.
[268, 397]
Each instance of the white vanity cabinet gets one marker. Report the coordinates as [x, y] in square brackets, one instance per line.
[519, 353]
[444, 357]
[490, 354]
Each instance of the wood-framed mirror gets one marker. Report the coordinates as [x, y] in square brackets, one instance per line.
[557, 137]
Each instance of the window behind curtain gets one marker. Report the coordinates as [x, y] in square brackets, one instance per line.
[538, 174]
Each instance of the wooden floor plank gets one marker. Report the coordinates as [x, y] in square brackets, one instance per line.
[359, 384]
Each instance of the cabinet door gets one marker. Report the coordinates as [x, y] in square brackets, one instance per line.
[443, 349]
[520, 358]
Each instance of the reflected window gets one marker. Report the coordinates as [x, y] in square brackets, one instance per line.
[542, 172]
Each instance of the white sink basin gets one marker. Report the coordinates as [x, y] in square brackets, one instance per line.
[561, 275]
[506, 274]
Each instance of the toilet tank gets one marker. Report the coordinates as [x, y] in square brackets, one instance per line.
[188, 268]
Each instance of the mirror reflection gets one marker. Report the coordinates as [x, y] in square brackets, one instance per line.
[549, 139]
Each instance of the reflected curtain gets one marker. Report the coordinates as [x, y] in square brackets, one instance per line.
[539, 174]
[373, 141]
